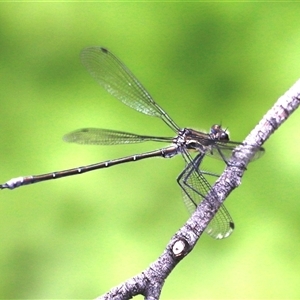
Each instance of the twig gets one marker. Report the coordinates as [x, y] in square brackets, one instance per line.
[150, 281]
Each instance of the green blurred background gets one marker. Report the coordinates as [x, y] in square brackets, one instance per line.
[204, 63]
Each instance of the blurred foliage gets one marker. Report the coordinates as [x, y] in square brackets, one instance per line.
[204, 63]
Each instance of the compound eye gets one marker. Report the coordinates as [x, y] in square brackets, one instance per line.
[215, 129]
[219, 134]
[224, 136]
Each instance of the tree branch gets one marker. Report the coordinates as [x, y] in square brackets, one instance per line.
[150, 281]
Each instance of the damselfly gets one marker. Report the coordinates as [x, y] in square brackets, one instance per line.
[114, 76]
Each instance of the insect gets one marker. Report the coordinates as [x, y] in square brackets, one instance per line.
[118, 80]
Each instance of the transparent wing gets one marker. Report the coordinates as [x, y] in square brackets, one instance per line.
[97, 136]
[223, 150]
[118, 80]
[195, 187]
